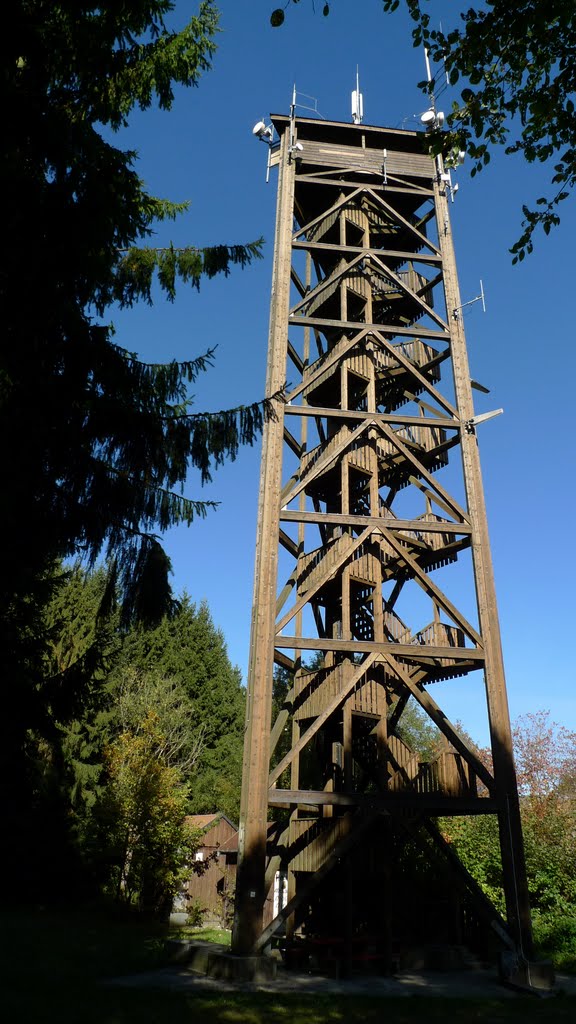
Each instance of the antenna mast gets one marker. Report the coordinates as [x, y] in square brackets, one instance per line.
[357, 102]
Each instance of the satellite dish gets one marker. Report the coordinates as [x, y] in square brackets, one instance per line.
[428, 118]
[263, 131]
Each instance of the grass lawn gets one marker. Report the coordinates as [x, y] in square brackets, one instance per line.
[55, 965]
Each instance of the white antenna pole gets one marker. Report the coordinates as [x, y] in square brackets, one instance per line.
[444, 61]
[427, 59]
[357, 101]
[292, 117]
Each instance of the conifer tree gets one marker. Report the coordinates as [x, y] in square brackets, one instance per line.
[100, 443]
[118, 705]
[96, 445]
[188, 648]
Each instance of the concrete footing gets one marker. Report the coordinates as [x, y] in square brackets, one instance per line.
[215, 961]
[537, 977]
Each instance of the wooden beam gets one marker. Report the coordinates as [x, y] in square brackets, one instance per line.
[332, 569]
[430, 587]
[329, 710]
[444, 422]
[337, 519]
[391, 329]
[289, 544]
[431, 803]
[401, 255]
[286, 591]
[415, 372]
[284, 661]
[298, 363]
[452, 504]
[341, 202]
[281, 722]
[325, 461]
[292, 443]
[426, 309]
[397, 216]
[483, 904]
[412, 652]
[359, 826]
[417, 191]
[250, 895]
[326, 364]
[297, 281]
[510, 826]
[429, 705]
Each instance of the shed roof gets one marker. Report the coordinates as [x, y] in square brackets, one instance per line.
[204, 821]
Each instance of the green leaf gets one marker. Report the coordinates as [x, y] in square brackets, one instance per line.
[277, 18]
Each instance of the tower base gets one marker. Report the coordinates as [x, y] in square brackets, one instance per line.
[218, 962]
[537, 977]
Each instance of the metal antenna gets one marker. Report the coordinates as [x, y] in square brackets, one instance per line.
[429, 77]
[444, 61]
[357, 102]
[296, 94]
[478, 298]
[470, 425]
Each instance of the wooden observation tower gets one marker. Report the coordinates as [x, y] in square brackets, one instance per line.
[370, 492]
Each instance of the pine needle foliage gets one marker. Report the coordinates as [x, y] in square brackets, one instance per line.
[96, 446]
[140, 267]
[100, 443]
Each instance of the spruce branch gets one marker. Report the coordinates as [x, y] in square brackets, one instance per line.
[138, 267]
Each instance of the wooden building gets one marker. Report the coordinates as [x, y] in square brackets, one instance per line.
[211, 888]
[370, 494]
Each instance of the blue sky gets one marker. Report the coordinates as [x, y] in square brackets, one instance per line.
[522, 347]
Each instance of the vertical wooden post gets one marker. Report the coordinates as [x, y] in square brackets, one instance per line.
[254, 805]
[511, 842]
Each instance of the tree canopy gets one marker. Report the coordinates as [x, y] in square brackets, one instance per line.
[139, 727]
[100, 443]
[188, 648]
[97, 445]
[513, 65]
[545, 755]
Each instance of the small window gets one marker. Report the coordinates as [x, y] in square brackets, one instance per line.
[199, 855]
